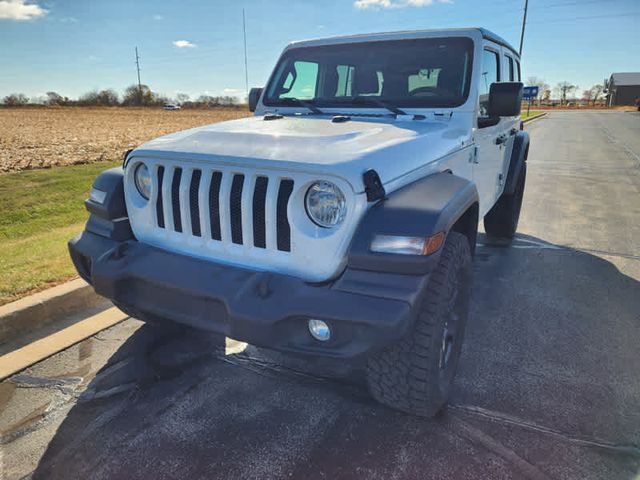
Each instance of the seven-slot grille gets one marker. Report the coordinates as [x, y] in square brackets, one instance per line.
[228, 205]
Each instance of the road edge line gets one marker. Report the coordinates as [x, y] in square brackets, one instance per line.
[531, 119]
[17, 360]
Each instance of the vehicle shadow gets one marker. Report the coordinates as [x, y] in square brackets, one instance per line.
[547, 386]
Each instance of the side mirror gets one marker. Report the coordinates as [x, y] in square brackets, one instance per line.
[254, 97]
[505, 99]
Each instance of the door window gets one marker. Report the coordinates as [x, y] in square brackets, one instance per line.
[508, 69]
[490, 74]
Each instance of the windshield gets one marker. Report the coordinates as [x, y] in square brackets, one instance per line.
[402, 73]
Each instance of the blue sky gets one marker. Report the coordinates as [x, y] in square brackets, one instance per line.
[76, 46]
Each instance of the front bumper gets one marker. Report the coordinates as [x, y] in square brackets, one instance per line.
[366, 310]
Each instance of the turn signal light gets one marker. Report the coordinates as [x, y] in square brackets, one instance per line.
[404, 245]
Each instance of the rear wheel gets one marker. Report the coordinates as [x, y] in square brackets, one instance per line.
[415, 375]
[502, 219]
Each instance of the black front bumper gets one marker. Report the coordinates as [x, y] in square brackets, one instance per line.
[365, 310]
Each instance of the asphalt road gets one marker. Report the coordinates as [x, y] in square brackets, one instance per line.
[548, 386]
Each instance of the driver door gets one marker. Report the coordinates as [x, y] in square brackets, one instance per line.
[489, 156]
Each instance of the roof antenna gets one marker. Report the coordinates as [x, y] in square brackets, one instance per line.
[524, 22]
[246, 68]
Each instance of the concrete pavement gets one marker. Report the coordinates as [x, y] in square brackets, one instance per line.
[548, 385]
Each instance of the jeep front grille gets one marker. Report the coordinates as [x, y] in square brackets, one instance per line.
[211, 186]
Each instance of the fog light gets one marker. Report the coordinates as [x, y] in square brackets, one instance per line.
[319, 330]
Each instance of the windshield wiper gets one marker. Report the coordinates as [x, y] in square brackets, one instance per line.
[303, 103]
[379, 103]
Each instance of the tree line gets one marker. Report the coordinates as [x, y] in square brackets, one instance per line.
[565, 92]
[133, 96]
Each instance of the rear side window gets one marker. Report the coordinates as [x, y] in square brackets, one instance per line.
[490, 74]
[508, 69]
[345, 80]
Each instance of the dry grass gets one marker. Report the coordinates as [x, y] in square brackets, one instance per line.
[44, 137]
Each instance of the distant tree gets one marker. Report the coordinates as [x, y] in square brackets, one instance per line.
[546, 95]
[597, 90]
[182, 98]
[108, 98]
[54, 98]
[15, 100]
[565, 89]
[103, 98]
[587, 95]
[138, 96]
[540, 83]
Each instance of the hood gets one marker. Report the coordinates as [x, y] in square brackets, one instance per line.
[314, 144]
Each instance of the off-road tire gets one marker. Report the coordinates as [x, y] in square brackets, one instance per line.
[410, 375]
[502, 219]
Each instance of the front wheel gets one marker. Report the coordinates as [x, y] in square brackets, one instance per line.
[415, 375]
[502, 219]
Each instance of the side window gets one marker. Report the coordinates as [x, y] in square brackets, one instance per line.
[426, 77]
[301, 82]
[345, 80]
[490, 74]
[518, 78]
[508, 69]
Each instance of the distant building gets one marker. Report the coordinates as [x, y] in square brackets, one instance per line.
[623, 88]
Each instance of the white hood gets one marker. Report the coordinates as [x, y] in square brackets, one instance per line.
[316, 145]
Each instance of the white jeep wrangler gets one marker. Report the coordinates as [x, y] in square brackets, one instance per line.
[340, 220]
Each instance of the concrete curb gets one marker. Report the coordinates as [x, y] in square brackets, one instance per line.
[17, 360]
[531, 119]
[36, 311]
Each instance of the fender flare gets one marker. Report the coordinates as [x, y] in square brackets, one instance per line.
[519, 155]
[109, 218]
[423, 208]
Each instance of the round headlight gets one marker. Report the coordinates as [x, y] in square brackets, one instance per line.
[143, 180]
[325, 204]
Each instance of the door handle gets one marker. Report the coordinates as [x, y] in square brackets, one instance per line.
[501, 139]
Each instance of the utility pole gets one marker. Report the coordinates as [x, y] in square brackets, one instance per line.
[139, 83]
[246, 68]
[524, 22]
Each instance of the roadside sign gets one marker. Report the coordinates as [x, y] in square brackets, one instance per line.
[529, 93]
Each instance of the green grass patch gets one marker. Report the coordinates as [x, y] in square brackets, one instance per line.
[40, 210]
[532, 113]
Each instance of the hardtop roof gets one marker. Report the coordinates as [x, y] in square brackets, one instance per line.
[398, 35]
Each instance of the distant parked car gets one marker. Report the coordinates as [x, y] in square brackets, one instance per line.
[171, 106]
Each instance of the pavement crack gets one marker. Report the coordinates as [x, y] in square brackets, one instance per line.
[506, 419]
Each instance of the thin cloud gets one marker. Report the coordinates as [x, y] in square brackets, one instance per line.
[20, 10]
[231, 90]
[184, 44]
[158, 17]
[386, 4]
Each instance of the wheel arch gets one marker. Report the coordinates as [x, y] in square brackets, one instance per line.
[467, 225]
[441, 202]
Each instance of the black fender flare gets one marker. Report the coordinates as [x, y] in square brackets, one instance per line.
[423, 208]
[519, 155]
